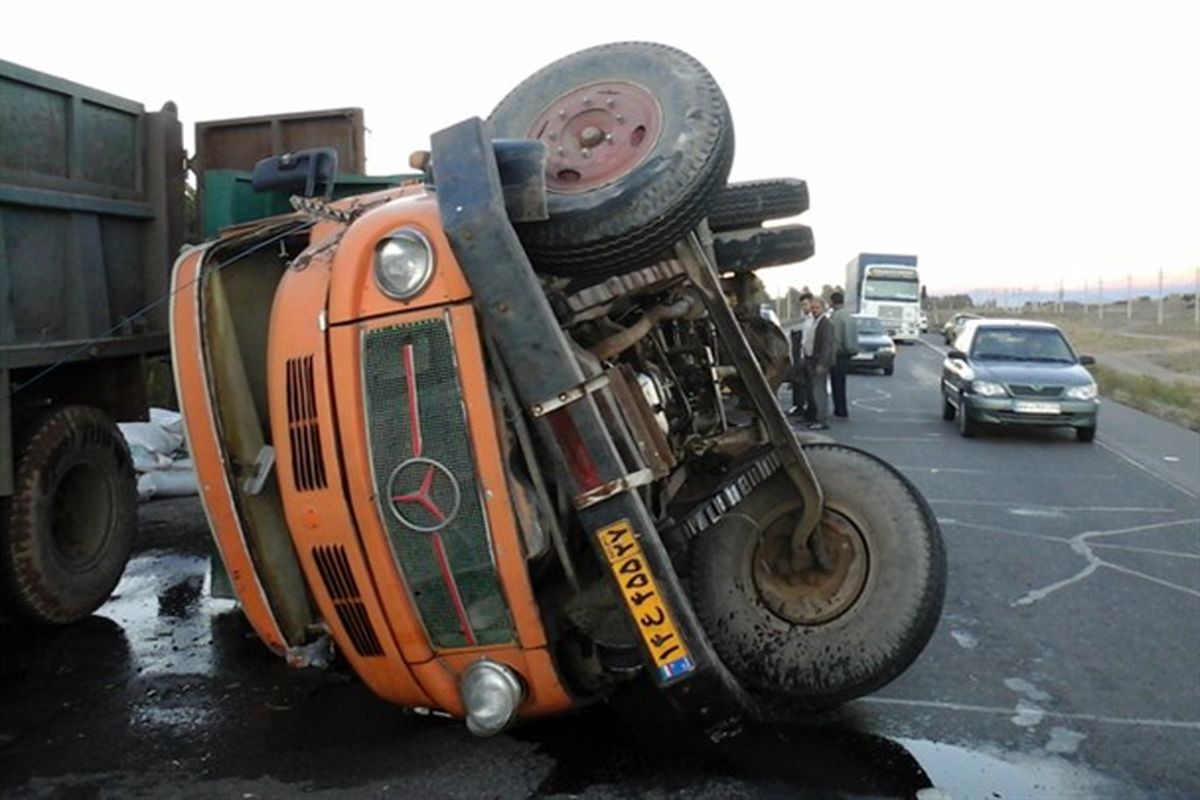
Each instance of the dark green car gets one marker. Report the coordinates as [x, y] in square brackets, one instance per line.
[1015, 372]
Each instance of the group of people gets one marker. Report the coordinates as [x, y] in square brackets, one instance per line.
[823, 343]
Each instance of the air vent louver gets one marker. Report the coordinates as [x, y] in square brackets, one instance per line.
[304, 428]
[343, 590]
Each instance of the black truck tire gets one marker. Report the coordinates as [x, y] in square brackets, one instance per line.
[639, 140]
[757, 248]
[750, 203]
[884, 595]
[69, 525]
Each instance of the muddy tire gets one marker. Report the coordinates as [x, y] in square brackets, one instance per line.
[69, 525]
[836, 634]
[658, 138]
[751, 203]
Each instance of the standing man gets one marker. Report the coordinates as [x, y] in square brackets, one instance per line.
[819, 363]
[845, 346]
[801, 338]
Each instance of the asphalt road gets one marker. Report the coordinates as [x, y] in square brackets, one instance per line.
[1065, 665]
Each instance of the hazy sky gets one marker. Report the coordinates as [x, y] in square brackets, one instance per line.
[1004, 144]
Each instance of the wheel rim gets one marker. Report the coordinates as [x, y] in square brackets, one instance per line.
[82, 521]
[596, 134]
[822, 590]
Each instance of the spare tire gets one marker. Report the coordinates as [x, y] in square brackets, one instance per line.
[750, 203]
[757, 248]
[639, 140]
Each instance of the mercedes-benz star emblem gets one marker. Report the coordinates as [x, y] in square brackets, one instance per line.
[423, 494]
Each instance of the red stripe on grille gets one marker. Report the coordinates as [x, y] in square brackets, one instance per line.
[414, 409]
[439, 550]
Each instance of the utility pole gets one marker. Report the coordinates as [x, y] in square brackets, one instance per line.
[1196, 296]
[1085, 296]
[1100, 303]
[1060, 295]
[1161, 299]
[1128, 297]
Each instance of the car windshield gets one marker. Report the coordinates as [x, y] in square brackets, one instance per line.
[891, 289]
[869, 324]
[1021, 344]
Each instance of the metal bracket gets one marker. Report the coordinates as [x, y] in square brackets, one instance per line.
[697, 260]
[571, 395]
[264, 462]
[615, 486]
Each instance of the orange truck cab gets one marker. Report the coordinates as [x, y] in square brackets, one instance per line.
[487, 436]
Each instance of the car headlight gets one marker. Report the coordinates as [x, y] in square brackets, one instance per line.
[1087, 392]
[888, 348]
[987, 388]
[403, 263]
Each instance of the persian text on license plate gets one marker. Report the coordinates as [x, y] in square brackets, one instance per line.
[1030, 407]
[862, 356]
[646, 605]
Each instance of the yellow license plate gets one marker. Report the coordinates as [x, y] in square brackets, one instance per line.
[645, 603]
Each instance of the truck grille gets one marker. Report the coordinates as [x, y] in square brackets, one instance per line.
[891, 312]
[426, 483]
[1027, 390]
[339, 582]
[304, 427]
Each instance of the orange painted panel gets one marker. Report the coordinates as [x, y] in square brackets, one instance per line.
[354, 295]
[212, 470]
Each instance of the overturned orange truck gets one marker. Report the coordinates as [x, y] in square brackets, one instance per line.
[503, 435]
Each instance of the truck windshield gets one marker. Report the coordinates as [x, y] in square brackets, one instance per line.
[891, 289]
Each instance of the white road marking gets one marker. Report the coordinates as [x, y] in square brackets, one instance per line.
[1134, 462]
[1009, 504]
[941, 352]
[1022, 473]
[1007, 712]
[1045, 536]
[964, 640]
[1081, 545]
[1147, 550]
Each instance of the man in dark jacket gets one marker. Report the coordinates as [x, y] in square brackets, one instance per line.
[845, 346]
[819, 365]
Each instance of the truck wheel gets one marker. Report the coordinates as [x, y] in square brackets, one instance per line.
[69, 524]
[751, 203]
[842, 625]
[639, 140]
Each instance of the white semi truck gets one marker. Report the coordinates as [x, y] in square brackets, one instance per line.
[886, 286]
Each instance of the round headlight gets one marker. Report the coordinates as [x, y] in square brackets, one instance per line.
[491, 694]
[403, 263]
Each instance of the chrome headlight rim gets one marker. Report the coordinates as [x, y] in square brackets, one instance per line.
[409, 234]
[507, 686]
[988, 388]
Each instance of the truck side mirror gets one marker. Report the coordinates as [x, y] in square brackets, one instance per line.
[298, 172]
